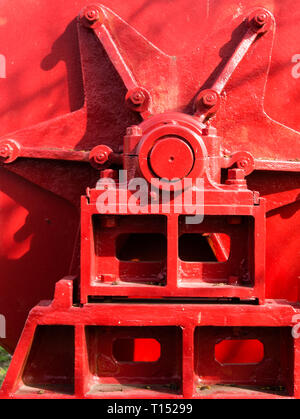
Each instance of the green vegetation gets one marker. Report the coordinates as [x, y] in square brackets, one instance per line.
[4, 364]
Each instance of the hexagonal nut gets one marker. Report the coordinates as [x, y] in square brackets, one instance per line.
[134, 131]
[92, 16]
[5, 151]
[138, 98]
[210, 131]
[210, 99]
[236, 174]
[10, 150]
[260, 20]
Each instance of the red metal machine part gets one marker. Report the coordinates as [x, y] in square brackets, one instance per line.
[249, 165]
[72, 352]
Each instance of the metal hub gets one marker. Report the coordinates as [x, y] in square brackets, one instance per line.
[171, 158]
[171, 147]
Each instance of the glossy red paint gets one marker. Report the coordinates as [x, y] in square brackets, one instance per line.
[223, 94]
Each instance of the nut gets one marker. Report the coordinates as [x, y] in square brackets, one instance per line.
[236, 174]
[92, 14]
[5, 151]
[101, 158]
[138, 98]
[134, 131]
[210, 99]
[261, 19]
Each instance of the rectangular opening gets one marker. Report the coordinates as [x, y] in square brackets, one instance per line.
[133, 359]
[138, 248]
[204, 247]
[136, 350]
[219, 251]
[50, 364]
[244, 359]
[129, 249]
[239, 352]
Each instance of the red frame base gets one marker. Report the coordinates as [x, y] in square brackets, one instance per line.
[188, 369]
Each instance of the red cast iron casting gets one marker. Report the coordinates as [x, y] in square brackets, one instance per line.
[169, 91]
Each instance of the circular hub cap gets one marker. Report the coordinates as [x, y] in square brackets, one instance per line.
[171, 158]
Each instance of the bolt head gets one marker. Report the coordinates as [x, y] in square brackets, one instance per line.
[92, 15]
[210, 99]
[109, 174]
[243, 164]
[138, 98]
[236, 174]
[210, 131]
[261, 19]
[134, 131]
[101, 158]
[5, 151]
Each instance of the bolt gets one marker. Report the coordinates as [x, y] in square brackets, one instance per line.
[236, 174]
[246, 164]
[210, 131]
[138, 98]
[261, 19]
[109, 174]
[92, 15]
[134, 131]
[236, 178]
[210, 99]
[101, 158]
[5, 151]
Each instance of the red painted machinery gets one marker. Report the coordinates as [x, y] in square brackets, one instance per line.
[150, 157]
